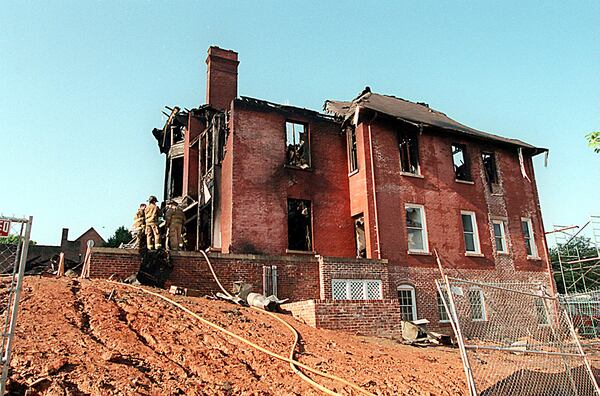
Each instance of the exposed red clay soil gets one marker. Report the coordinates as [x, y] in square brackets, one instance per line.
[71, 339]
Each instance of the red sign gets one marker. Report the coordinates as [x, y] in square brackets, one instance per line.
[4, 227]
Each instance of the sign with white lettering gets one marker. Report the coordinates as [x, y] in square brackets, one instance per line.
[4, 227]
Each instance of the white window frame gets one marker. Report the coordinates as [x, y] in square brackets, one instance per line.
[440, 304]
[473, 217]
[502, 237]
[533, 247]
[348, 293]
[423, 228]
[413, 296]
[484, 315]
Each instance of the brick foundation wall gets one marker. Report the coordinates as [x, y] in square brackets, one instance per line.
[344, 268]
[376, 317]
[190, 270]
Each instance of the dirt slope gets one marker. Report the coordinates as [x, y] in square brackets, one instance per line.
[71, 339]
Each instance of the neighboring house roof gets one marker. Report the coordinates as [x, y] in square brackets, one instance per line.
[89, 234]
[418, 113]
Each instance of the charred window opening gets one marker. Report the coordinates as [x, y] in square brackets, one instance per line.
[489, 166]
[359, 232]
[352, 153]
[177, 134]
[409, 152]
[297, 147]
[460, 159]
[176, 182]
[299, 225]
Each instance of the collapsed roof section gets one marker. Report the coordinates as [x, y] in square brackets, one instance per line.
[415, 113]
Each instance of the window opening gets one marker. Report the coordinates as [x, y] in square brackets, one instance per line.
[499, 236]
[359, 232]
[408, 307]
[476, 301]
[530, 247]
[470, 232]
[442, 309]
[352, 153]
[299, 225]
[409, 152]
[297, 149]
[176, 173]
[416, 228]
[460, 161]
[489, 166]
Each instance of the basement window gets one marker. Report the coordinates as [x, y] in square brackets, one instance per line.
[299, 225]
[444, 317]
[416, 229]
[297, 147]
[409, 153]
[359, 231]
[352, 153]
[489, 166]
[356, 289]
[460, 160]
[477, 304]
[471, 236]
[408, 302]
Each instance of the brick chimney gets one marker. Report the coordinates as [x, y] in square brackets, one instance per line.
[221, 77]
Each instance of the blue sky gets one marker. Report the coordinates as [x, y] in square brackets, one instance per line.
[82, 84]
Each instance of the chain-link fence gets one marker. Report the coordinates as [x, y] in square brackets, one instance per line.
[14, 243]
[516, 340]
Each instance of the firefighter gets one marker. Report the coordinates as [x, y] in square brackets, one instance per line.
[174, 218]
[151, 218]
[139, 225]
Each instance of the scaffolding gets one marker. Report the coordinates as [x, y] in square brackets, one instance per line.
[576, 268]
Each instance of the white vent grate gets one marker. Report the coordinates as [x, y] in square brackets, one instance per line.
[356, 289]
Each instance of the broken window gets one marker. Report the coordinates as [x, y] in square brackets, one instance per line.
[460, 160]
[409, 152]
[408, 303]
[176, 177]
[297, 148]
[177, 134]
[527, 228]
[416, 228]
[489, 166]
[476, 301]
[299, 225]
[470, 233]
[352, 154]
[359, 231]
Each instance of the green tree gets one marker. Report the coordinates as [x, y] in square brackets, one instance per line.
[594, 141]
[578, 276]
[12, 240]
[121, 235]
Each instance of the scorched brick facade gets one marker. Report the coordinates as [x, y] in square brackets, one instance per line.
[349, 205]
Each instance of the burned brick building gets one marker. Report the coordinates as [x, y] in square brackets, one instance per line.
[343, 209]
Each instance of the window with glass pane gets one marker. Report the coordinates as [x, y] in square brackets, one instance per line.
[415, 227]
[528, 236]
[408, 308]
[476, 303]
[442, 309]
[499, 236]
[470, 232]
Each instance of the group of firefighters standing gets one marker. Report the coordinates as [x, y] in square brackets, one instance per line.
[146, 225]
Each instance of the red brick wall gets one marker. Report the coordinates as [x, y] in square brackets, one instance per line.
[381, 317]
[221, 77]
[191, 271]
[343, 268]
[261, 184]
